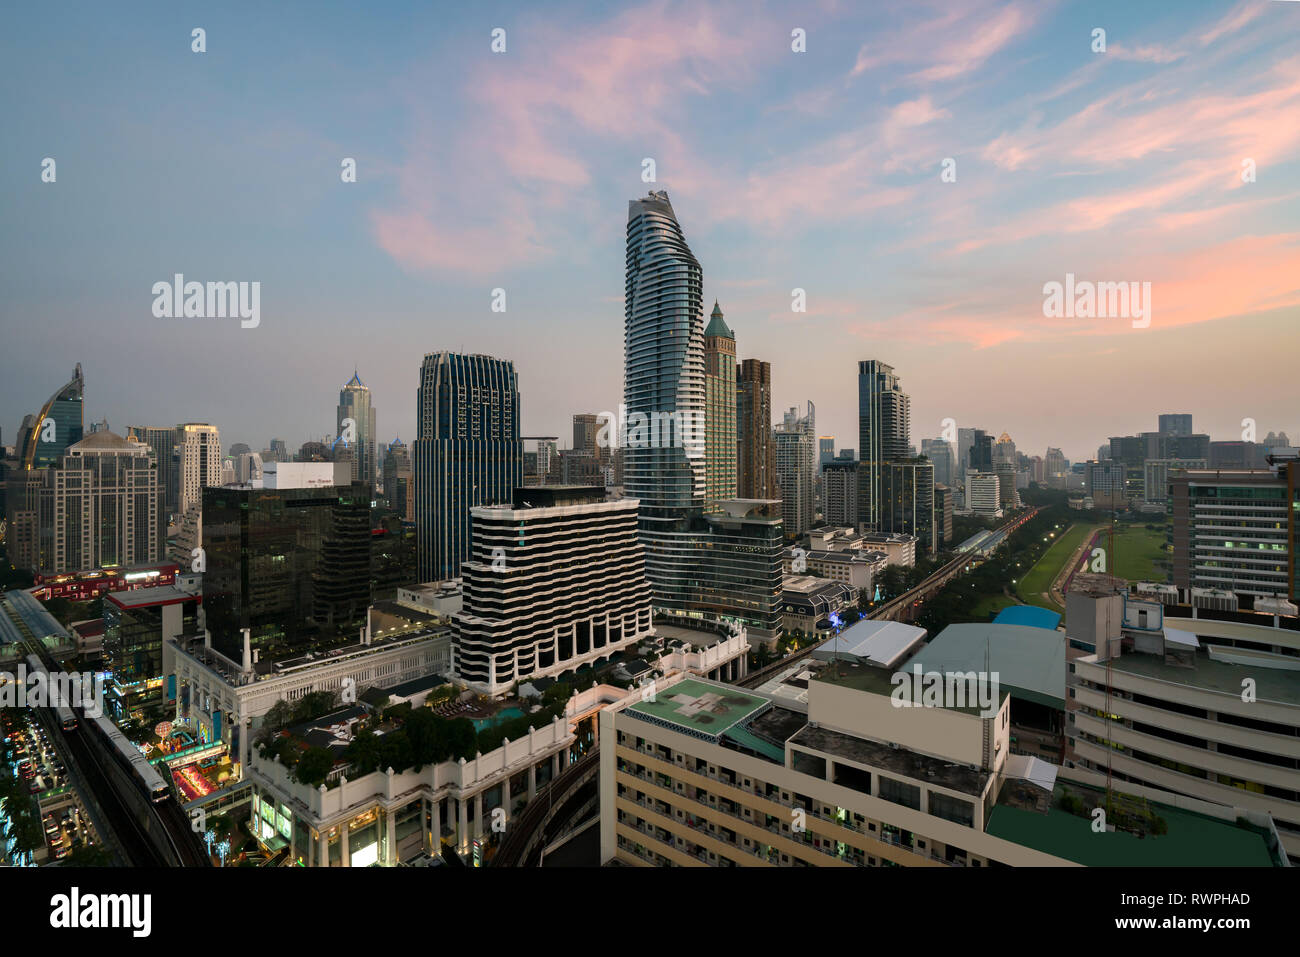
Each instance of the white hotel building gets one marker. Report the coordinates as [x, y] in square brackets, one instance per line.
[553, 582]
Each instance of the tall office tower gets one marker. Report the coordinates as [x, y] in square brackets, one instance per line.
[840, 493]
[1236, 529]
[467, 453]
[280, 451]
[1055, 464]
[940, 452]
[825, 449]
[162, 440]
[101, 504]
[42, 440]
[197, 466]
[1276, 440]
[1105, 482]
[586, 427]
[397, 480]
[965, 441]
[548, 451]
[795, 471]
[981, 451]
[1007, 495]
[248, 467]
[1004, 451]
[727, 564]
[719, 411]
[943, 507]
[355, 407]
[238, 449]
[884, 432]
[286, 560]
[907, 501]
[554, 580]
[1037, 470]
[982, 494]
[756, 465]
[1176, 423]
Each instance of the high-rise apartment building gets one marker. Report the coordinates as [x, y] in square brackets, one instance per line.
[757, 465]
[555, 580]
[162, 440]
[720, 436]
[586, 427]
[795, 465]
[884, 431]
[356, 429]
[467, 453]
[101, 504]
[840, 494]
[197, 466]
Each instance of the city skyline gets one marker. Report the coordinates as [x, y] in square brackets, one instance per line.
[758, 144]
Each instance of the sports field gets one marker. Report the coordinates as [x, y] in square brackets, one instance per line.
[1138, 552]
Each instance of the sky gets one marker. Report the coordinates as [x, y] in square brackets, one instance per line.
[1171, 158]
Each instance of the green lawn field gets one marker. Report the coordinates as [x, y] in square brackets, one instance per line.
[1032, 585]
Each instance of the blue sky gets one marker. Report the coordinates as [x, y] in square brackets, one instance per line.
[818, 170]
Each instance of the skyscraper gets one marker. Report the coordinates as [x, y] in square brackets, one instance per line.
[101, 503]
[42, 439]
[197, 466]
[467, 453]
[720, 454]
[941, 454]
[355, 408]
[729, 564]
[1176, 423]
[756, 466]
[907, 501]
[397, 480]
[884, 432]
[664, 365]
[796, 469]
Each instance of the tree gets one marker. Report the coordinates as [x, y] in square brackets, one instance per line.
[314, 766]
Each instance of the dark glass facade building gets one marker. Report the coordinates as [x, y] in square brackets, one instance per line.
[884, 431]
[290, 565]
[907, 501]
[135, 625]
[468, 452]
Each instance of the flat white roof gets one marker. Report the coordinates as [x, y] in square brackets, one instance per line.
[1184, 638]
[881, 643]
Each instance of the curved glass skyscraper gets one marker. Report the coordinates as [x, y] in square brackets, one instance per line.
[663, 462]
[725, 565]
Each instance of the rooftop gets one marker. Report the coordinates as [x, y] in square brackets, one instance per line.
[1192, 840]
[699, 708]
[1030, 615]
[900, 761]
[882, 643]
[1206, 674]
[1029, 661]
